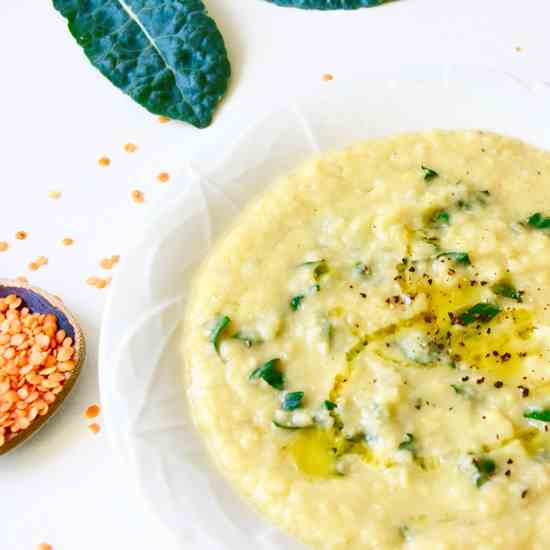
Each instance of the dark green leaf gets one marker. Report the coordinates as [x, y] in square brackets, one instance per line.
[168, 56]
[296, 302]
[482, 312]
[538, 221]
[217, 331]
[486, 469]
[328, 4]
[293, 401]
[507, 290]
[441, 217]
[270, 373]
[459, 389]
[542, 415]
[330, 406]
[458, 257]
[429, 174]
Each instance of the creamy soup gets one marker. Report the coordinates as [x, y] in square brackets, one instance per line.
[367, 349]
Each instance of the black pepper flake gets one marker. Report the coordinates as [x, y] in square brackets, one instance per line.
[430, 281]
[362, 294]
[509, 461]
[524, 391]
[507, 473]
[524, 493]
[473, 283]
[484, 283]
[412, 269]
[489, 330]
[480, 380]
[465, 378]
[523, 354]
[499, 384]
[495, 353]
[506, 356]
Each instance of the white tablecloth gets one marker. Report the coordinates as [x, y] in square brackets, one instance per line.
[58, 116]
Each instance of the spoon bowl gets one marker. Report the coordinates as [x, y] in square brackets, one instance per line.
[39, 301]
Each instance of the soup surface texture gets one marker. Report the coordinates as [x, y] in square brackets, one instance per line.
[367, 348]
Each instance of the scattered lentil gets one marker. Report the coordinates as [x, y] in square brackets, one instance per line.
[130, 147]
[44, 546]
[327, 77]
[21, 235]
[67, 241]
[54, 194]
[92, 411]
[109, 263]
[94, 428]
[163, 177]
[4, 246]
[137, 196]
[104, 161]
[163, 119]
[36, 359]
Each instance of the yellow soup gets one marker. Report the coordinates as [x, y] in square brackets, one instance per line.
[367, 350]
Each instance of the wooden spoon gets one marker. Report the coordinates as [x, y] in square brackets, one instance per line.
[39, 301]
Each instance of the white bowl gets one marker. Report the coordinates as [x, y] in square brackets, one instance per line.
[140, 367]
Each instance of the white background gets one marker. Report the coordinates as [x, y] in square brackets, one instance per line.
[58, 116]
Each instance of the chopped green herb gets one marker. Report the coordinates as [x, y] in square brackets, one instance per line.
[320, 267]
[486, 469]
[270, 373]
[246, 338]
[441, 217]
[355, 438]
[429, 174]
[296, 302]
[286, 427]
[507, 290]
[408, 444]
[327, 332]
[463, 205]
[458, 257]
[464, 390]
[293, 401]
[542, 415]
[217, 330]
[405, 532]
[481, 196]
[314, 289]
[482, 312]
[538, 221]
[330, 406]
